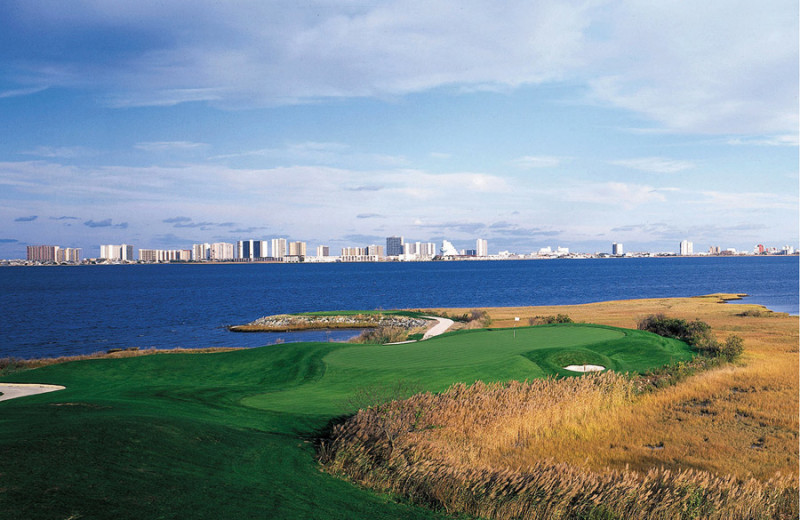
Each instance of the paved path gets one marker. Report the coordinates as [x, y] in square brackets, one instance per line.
[13, 390]
[439, 328]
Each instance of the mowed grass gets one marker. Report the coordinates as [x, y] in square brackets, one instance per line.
[468, 356]
[232, 435]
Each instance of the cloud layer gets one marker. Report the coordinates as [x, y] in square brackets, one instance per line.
[704, 69]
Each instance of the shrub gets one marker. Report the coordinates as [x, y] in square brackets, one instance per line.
[381, 335]
[549, 320]
[732, 348]
[695, 333]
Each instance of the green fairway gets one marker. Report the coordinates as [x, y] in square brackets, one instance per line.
[231, 435]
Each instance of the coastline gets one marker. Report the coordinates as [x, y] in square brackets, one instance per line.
[502, 317]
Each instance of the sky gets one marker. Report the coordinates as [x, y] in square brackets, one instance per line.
[341, 122]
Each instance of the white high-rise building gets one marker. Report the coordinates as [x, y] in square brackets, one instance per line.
[221, 251]
[323, 251]
[122, 252]
[426, 250]
[278, 247]
[201, 252]
[616, 249]
[481, 247]
[687, 248]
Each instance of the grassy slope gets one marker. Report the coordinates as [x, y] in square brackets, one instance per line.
[229, 435]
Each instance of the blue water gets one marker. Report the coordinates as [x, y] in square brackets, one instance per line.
[51, 311]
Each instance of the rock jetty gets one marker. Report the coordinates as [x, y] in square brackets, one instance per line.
[292, 322]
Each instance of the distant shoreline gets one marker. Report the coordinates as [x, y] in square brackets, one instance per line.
[577, 256]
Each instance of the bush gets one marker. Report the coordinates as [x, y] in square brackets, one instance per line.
[382, 335]
[549, 320]
[732, 348]
[696, 334]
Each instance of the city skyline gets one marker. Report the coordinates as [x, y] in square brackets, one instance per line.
[396, 249]
[571, 124]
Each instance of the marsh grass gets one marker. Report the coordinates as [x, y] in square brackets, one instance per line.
[467, 450]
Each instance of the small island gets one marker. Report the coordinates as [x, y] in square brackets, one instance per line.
[335, 320]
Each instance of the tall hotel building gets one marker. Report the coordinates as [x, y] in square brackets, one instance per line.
[323, 251]
[687, 248]
[42, 253]
[201, 252]
[278, 247]
[297, 249]
[252, 249]
[54, 254]
[394, 246]
[220, 251]
[122, 252]
[616, 249]
[481, 247]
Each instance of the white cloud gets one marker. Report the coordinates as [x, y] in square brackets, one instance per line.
[774, 140]
[324, 153]
[169, 146]
[542, 161]
[21, 92]
[655, 164]
[749, 200]
[60, 152]
[619, 194]
[724, 67]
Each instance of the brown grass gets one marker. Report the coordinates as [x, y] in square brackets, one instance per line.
[719, 444]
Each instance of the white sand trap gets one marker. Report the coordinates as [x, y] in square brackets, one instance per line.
[14, 390]
[585, 368]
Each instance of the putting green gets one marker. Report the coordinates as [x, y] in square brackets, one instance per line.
[467, 356]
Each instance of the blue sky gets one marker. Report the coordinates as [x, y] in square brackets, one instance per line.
[341, 122]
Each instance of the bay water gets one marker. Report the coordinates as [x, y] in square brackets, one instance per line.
[69, 310]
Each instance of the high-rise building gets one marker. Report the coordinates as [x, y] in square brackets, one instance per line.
[323, 251]
[394, 246]
[481, 247]
[221, 251]
[122, 252]
[687, 248]
[375, 250]
[278, 247]
[297, 249]
[616, 249]
[70, 255]
[201, 252]
[251, 249]
[354, 251]
[42, 253]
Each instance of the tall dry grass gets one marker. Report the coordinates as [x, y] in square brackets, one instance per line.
[459, 451]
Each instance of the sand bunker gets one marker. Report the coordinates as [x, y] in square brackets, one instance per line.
[585, 368]
[13, 390]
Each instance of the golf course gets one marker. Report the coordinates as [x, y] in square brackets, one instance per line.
[232, 435]
[235, 434]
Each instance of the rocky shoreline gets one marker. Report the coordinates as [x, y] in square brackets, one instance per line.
[291, 322]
